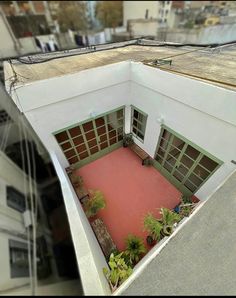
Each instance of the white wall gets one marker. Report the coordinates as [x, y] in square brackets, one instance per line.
[188, 107]
[10, 219]
[88, 252]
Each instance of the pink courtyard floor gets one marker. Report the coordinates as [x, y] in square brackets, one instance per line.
[131, 191]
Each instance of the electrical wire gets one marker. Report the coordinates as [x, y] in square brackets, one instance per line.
[97, 48]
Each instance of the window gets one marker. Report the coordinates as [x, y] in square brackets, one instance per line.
[19, 265]
[82, 141]
[183, 162]
[138, 123]
[15, 199]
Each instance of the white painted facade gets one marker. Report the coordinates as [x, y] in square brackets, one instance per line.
[12, 223]
[10, 220]
[203, 113]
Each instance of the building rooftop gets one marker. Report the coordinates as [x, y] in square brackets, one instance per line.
[213, 65]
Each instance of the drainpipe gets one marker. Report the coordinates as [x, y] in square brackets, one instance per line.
[17, 45]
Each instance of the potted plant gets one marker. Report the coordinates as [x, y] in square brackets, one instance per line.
[76, 180]
[169, 218]
[119, 271]
[128, 140]
[95, 202]
[153, 227]
[135, 248]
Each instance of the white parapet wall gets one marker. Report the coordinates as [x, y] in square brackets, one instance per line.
[88, 252]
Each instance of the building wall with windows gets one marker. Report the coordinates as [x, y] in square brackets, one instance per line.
[11, 222]
[13, 236]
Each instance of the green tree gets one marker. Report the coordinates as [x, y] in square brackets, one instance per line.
[72, 15]
[109, 13]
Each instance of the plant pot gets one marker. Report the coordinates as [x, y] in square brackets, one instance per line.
[150, 240]
[166, 231]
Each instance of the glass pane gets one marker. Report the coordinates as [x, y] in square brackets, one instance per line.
[178, 175]
[83, 155]
[120, 130]
[171, 160]
[66, 145]
[101, 130]
[168, 166]
[166, 134]
[78, 140]
[182, 169]
[120, 137]
[90, 135]
[192, 152]
[140, 135]
[134, 130]
[75, 131]
[159, 159]
[62, 136]
[81, 148]
[94, 150]
[92, 143]
[100, 121]
[110, 127]
[135, 123]
[135, 114]
[190, 186]
[163, 143]
[73, 160]
[199, 171]
[70, 153]
[88, 126]
[141, 127]
[178, 143]
[112, 134]
[113, 141]
[193, 178]
[104, 145]
[161, 152]
[119, 113]
[208, 163]
[186, 161]
[174, 152]
[103, 138]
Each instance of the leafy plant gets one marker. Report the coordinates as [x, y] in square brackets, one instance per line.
[169, 218]
[119, 272]
[134, 249]
[153, 226]
[128, 139]
[94, 203]
[76, 180]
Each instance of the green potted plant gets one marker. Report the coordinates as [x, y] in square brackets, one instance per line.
[119, 271]
[153, 227]
[135, 248]
[128, 139]
[95, 202]
[169, 218]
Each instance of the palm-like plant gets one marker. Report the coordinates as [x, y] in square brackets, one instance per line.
[134, 249]
[94, 203]
[153, 226]
[169, 218]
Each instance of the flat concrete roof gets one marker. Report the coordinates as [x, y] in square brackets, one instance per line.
[201, 258]
[216, 66]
